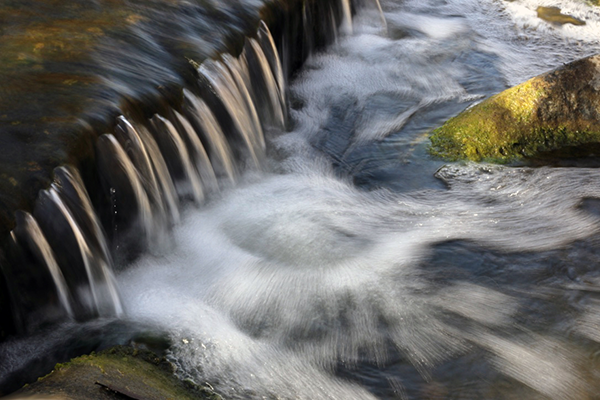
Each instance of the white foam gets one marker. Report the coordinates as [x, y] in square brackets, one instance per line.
[286, 276]
[295, 272]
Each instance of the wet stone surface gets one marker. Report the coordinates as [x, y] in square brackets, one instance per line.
[119, 372]
[553, 111]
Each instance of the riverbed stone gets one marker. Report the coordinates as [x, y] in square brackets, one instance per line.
[553, 112]
[119, 372]
[556, 17]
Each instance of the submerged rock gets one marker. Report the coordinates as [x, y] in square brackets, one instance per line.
[119, 372]
[555, 111]
[554, 16]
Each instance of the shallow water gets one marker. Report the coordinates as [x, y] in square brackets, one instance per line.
[355, 266]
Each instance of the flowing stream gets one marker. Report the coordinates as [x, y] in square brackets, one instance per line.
[339, 260]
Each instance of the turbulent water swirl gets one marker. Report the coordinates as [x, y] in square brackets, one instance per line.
[317, 251]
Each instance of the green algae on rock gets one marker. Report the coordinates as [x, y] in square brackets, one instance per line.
[553, 111]
[554, 16]
[119, 372]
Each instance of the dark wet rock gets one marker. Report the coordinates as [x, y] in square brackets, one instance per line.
[551, 113]
[119, 372]
[555, 17]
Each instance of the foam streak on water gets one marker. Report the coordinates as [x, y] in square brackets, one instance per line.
[473, 280]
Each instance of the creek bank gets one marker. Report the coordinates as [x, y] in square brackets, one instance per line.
[550, 113]
[118, 372]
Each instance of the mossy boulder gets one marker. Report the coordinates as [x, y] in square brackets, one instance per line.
[119, 372]
[555, 17]
[553, 111]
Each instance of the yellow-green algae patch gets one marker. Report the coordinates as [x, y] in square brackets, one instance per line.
[120, 372]
[554, 16]
[559, 109]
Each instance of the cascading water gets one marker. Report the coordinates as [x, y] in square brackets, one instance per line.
[123, 177]
[228, 85]
[180, 156]
[29, 231]
[345, 263]
[220, 150]
[150, 164]
[347, 20]
[200, 159]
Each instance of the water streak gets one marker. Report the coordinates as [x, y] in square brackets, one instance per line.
[200, 159]
[220, 150]
[69, 185]
[238, 69]
[115, 164]
[41, 247]
[152, 170]
[166, 185]
[224, 84]
[346, 27]
[103, 296]
[272, 55]
[276, 100]
[191, 183]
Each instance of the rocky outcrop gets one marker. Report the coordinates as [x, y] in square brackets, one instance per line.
[553, 112]
[119, 372]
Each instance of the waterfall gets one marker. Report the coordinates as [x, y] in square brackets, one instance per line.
[347, 20]
[179, 159]
[28, 233]
[148, 168]
[145, 155]
[153, 160]
[209, 128]
[65, 220]
[235, 98]
[125, 184]
[314, 251]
